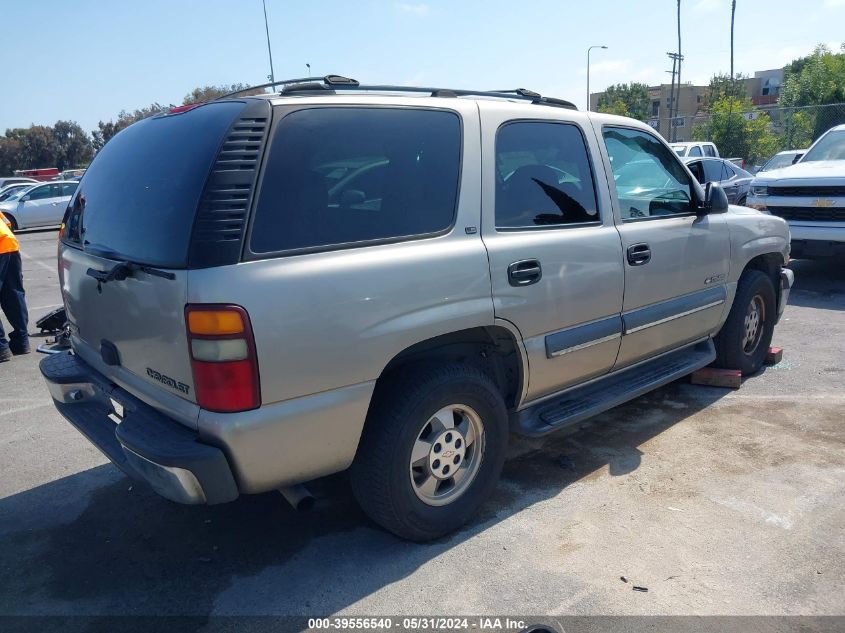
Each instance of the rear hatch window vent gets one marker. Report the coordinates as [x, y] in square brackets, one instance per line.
[221, 216]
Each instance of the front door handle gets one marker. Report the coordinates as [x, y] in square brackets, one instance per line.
[524, 272]
[639, 254]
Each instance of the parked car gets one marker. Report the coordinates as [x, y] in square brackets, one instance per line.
[810, 195]
[41, 174]
[695, 148]
[735, 181]
[72, 174]
[14, 180]
[40, 205]
[8, 190]
[782, 159]
[482, 271]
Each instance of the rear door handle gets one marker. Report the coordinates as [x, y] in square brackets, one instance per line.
[524, 272]
[639, 254]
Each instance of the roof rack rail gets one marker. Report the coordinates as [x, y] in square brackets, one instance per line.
[328, 80]
[338, 82]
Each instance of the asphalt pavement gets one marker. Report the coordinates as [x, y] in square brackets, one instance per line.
[717, 501]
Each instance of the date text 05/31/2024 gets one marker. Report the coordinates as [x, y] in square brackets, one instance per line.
[416, 624]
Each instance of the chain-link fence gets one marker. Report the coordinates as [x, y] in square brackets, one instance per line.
[756, 135]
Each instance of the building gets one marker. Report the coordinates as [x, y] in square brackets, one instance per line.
[763, 88]
[690, 99]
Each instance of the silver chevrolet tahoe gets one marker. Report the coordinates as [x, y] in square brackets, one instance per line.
[265, 290]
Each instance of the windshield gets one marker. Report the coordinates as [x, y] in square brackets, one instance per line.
[16, 194]
[831, 146]
[778, 161]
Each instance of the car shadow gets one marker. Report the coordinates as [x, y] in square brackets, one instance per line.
[94, 543]
[818, 283]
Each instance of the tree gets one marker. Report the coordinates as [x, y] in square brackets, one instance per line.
[816, 80]
[626, 99]
[73, 147]
[722, 85]
[10, 149]
[210, 93]
[106, 130]
[739, 130]
[37, 146]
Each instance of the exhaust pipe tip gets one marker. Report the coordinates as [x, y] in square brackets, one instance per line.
[298, 497]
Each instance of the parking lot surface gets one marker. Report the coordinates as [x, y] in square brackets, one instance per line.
[717, 501]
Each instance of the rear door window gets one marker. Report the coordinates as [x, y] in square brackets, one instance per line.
[543, 176]
[694, 151]
[44, 192]
[68, 188]
[716, 171]
[344, 176]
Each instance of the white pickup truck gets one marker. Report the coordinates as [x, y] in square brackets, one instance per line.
[810, 196]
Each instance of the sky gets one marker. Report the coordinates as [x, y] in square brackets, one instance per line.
[86, 60]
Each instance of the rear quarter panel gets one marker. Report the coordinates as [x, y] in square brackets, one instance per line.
[331, 319]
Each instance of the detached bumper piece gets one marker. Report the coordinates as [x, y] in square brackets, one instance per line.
[145, 444]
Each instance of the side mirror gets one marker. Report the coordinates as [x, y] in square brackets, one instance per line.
[715, 200]
[24, 199]
[797, 158]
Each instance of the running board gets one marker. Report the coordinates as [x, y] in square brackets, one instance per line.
[580, 403]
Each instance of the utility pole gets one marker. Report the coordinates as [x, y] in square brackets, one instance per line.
[733, 11]
[269, 50]
[673, 97]
[588, 71]
[680, 59]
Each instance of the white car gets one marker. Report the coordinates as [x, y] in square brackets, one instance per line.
[695, 148]
[810, 196]
[13, 180]
[783, 159]
[40, 205]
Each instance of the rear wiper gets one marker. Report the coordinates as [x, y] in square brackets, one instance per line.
[122, 269]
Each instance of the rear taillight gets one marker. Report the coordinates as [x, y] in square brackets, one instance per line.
[223, 358]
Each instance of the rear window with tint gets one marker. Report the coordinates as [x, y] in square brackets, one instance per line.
[354, 175]
[138, 198]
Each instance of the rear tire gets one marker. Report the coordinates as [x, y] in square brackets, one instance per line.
[744, 339]
[412, 474]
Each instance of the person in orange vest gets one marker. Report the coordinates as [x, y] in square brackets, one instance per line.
[12, 295]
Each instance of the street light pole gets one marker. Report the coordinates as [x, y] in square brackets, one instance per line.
[269, 50]
[308, 66]
[588, 72]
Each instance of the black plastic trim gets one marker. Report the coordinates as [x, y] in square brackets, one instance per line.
[222, 214]
[585, 334]
[637, 319]
[583, 402]
[143, 430]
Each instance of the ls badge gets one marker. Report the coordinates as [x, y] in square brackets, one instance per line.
[714, 279]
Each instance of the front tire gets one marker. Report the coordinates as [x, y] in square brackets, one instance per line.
[13, 223]
[432, 450]
[744, 340]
